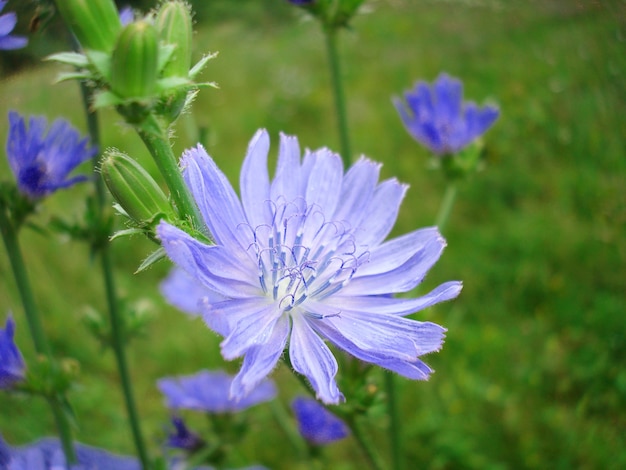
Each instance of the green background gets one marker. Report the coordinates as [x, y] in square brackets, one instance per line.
[532, 372]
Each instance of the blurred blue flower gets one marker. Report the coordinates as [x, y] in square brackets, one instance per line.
[209, 391]
[7, 23]
[187, 293]
[301, 2]
[127, 15]
[437, 117]
[303, 258]
[47, 454]
[11, 361]
[316, 424]
[41, 164]
[182, 437]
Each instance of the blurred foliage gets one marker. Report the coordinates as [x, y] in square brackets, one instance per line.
[531, 375]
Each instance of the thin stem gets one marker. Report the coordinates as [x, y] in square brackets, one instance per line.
[156, 140]
[372, 457]
[340, 105]
[446, 206]
[285, 423]
[395, 434]
[112, 298]
[16, 260]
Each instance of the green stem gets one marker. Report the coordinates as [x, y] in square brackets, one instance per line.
[286, 424]
[11, 243]
[112, 298]
[372, 457]
[340, 105]
[446, 206]
[156, 140]
[395, 434]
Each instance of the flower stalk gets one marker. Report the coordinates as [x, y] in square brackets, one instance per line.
[11, 243]
[446, 205]
[117, 338]
[156, 140]
[330, 33]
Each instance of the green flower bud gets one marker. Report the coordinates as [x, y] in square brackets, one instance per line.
[95, 23]
[134, 64]
[135, 190]
[173, 22]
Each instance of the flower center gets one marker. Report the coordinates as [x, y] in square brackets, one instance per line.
[300, 254]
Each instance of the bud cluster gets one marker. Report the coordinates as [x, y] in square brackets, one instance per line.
[140, 67]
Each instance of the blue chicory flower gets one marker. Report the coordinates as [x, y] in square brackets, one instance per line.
[7, 23]
[42, 164]
[12, 366]
[437, 117]
[303, 258]
[182, 437]
[316, 424]
[47, 454]
[208, 391]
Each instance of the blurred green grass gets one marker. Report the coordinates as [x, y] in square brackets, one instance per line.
[531, 375]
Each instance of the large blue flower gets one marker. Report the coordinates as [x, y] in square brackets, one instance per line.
[11, 361]
[7, 23]
[437, 117]
[302, 259]
[42, 163]
[210, 391]
[316, 424]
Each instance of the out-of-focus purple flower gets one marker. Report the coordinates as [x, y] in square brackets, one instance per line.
[209, 391]
[7, 23]
[182, 437]
[127, 15]
[303, 258]
[47, 454]
[187, 293]
[11, 361]
[437, 117]
[316, 424]
[301, 2]
[42, 163]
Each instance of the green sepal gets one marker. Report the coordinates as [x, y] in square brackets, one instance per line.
[197, 68]
[154, 257]
[95, 23]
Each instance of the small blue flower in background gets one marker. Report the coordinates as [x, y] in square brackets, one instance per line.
[182, 437]
[12, 366]
[209, 391]
[186, 293]
[303, 259]
[7, 23]
[127, 15]
[316, 424]
[47, 454]
[42, 163]
[437, 117]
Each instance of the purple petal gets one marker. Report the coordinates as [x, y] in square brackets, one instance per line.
[186, 293]
[395, 306]
[260, 360]
[312, 358]
[287, 184]
[216, 199]
[357, 191]
[254, 327]
[324, 181]
[401, 279]
[210, 265]
[255, 182]
[381, 212]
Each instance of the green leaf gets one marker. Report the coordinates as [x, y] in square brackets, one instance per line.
[70, 58]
